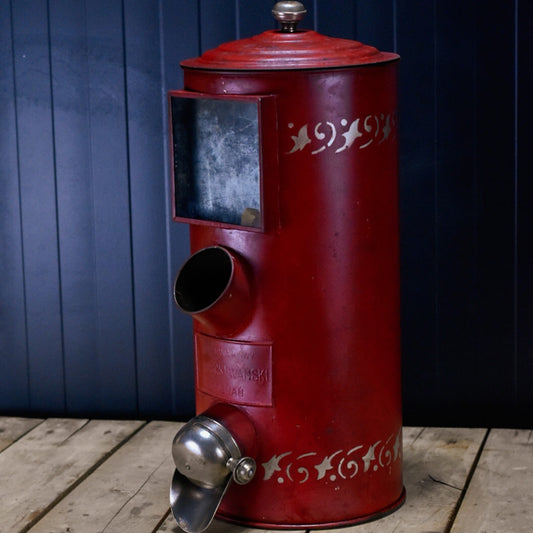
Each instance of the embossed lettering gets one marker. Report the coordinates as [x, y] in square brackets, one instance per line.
[239, 372]
[245, 374]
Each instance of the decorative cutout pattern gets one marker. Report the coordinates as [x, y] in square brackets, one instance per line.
[288, 467]
[360, 133]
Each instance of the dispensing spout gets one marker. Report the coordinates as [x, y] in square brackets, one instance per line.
[207, 459]
[213, 288]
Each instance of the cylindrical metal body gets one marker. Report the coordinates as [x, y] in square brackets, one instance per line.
[316, 364]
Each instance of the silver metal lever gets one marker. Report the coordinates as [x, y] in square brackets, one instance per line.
[207, 459]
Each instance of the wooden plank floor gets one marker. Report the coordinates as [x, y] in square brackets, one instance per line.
[93, 476]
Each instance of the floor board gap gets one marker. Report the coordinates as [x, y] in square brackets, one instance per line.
[467, 483]
[39, 516]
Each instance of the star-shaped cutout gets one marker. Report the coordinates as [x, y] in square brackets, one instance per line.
[272, 465]
[370, 456]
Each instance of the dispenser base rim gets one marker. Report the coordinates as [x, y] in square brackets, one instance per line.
[327, 525]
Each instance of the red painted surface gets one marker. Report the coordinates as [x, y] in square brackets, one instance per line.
[316, 363]
[274, 50]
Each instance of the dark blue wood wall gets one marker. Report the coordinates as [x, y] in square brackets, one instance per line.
[88, 252]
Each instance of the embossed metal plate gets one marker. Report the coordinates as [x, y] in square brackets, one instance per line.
[238, 372]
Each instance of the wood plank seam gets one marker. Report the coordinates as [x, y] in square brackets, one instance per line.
[499, 498]
[87, 421]
[418, 436]
[442, 471]
[21, 435]
[127, 493]
[163, 519]
[435, 480]
[473, 467]
[38, 516]
[139, 489]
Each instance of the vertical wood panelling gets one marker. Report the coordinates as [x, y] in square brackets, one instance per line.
[38, 205]
[456, 209]
[495, 199]
[14, 390]
[253, 18]
[145, 123]
[415, 40]
[310, 20]
[218, 23]
[524, 294]
[179, 39]
[70, 86]
[375, 23]
[474, 250]
[88, 251]
[111, 207]
[342, 25]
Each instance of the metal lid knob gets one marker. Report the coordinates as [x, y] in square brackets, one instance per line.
[289, 13]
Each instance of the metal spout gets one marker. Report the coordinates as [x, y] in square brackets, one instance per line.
[207, 459]
[212, 287]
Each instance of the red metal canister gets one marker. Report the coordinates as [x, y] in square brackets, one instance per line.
[284, 152]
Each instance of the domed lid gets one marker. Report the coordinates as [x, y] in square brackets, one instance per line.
[288, 48]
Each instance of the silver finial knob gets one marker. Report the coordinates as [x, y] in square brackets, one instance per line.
[289, 13]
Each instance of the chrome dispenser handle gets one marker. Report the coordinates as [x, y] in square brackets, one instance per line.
[207, 459]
